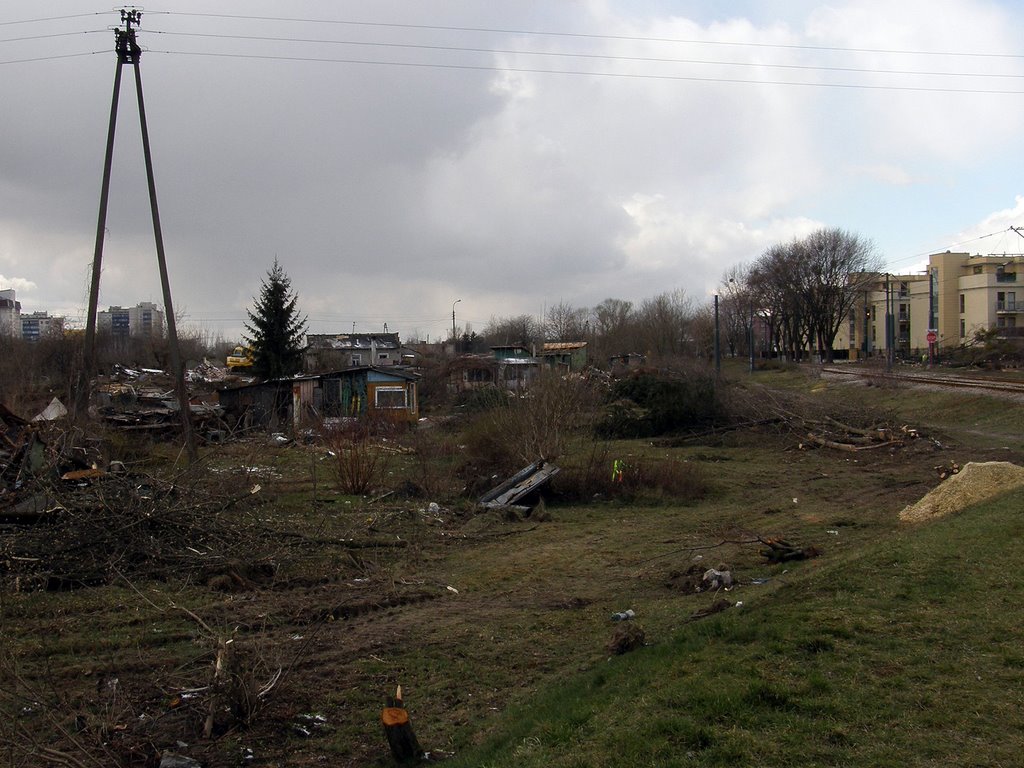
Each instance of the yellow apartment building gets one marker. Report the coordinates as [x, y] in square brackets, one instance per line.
[957, 295]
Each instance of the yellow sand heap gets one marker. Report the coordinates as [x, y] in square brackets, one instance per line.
[976, 482]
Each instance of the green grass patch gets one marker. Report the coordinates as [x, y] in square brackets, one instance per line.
[900, 654]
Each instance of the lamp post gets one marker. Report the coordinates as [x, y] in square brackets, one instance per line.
[718, 346]
[453, 319]
[750, 335]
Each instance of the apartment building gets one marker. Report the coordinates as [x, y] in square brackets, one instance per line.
[955, 296]
[144, 319]
[40, 325]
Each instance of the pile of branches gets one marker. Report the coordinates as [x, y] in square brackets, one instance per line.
[91, 527]
[825, 424]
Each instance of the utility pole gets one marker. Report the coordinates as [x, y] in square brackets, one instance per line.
[128, 52]
[750, 335]
[718, 345]
[890, 336]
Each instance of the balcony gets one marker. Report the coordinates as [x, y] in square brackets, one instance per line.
[1011, 305]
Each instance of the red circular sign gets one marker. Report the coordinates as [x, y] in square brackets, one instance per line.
[932, 337]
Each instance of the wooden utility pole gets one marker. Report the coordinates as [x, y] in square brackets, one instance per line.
[129, 52]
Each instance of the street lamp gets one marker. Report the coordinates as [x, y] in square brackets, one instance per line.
[718, 344]
[453, 318]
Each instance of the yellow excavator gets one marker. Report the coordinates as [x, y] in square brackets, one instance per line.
[240, 358]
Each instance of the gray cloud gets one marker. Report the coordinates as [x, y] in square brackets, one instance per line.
[388, 190]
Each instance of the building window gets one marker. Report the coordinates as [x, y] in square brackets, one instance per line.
[390, 397]
[977, 270]
[961, 306]
[963, 326]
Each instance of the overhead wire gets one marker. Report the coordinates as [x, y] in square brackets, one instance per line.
[53, 18]
[554, 54]
[54, 57]
[594, 36]
[566, 54]
[583, 73]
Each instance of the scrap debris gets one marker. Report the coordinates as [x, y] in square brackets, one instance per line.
[526, 482]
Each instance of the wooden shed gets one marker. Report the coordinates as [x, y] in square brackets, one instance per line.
[369, 391]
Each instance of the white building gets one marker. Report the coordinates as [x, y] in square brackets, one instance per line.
[10, 314]
[145, 320]
[40, 325]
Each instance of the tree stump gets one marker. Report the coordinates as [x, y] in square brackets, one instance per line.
[398, 729]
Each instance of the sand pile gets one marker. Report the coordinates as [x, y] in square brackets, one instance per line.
[976, 482]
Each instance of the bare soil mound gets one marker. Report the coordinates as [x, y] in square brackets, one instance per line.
[976, 482]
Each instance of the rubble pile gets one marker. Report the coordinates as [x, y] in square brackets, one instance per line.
[144, 399]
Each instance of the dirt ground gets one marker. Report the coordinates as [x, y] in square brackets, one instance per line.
[468, 611]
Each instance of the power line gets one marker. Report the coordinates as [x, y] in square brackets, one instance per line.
[579, 73]
[55, 18]
[590, 36]
[606, 57]
[51, 58]
[55, 34]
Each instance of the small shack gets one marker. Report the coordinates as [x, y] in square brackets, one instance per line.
[278, 404]
[369, 390]
[565, 355]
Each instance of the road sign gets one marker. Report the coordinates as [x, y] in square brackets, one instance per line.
[932, 337]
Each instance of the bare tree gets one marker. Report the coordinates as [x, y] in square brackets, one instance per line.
[807, 288]
[840, 265]
[736, 308]
[521, 329]
[663, 322]
[563, 322]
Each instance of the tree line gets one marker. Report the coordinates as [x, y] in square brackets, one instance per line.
[796, 295]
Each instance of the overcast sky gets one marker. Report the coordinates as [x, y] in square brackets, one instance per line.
[396, 156]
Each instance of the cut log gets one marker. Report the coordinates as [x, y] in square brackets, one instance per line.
[781, 551]
[398, 730]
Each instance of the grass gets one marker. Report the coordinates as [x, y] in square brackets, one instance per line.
[900, 654]
[895, 647]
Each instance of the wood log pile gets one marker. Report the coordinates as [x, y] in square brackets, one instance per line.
[818, 425]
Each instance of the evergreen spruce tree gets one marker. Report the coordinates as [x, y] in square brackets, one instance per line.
[275, 329]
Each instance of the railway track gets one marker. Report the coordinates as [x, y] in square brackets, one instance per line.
[1010, 386]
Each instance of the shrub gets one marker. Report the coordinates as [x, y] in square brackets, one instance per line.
[596, 475]
[648, 404]
[360, 459]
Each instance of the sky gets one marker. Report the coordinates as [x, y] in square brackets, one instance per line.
[400, 158]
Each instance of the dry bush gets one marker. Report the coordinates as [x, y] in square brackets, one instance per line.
[678, 480]
[432, 470]
[362, 455]
[538, 424]
[596, 476]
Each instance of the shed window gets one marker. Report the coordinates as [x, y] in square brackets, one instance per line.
[390, 397]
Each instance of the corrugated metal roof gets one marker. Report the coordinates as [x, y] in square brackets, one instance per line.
[563, 346]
